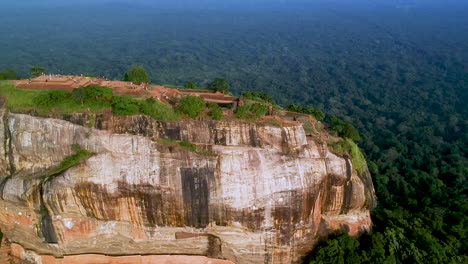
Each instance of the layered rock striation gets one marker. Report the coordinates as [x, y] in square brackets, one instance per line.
[248, 193]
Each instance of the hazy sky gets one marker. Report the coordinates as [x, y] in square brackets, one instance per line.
[227, 3]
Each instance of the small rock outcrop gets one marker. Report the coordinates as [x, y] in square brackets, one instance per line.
[248, 193]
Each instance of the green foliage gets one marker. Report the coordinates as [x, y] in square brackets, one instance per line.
[36, 71]
[258, 96]
[137, 75]
[348, 147]
[17, 100]
[406, 94]
[21, 100]
[166, 141]
[158, 110]
[92, 93]
[219, 85]
[251, 111]
[190, 85]
[8, 74]
[217, 113]
[188, 145]
[49, 99]
[192, 106]
[344, 129]
[70, 161]
[317, 113]
[342, 249]
[90, 75]
[125, 105]
[94, 98]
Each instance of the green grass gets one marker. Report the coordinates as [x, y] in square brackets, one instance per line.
[159, 111]
[167, 141]
[18, 100]
[185, 144]
[347, 146]
[70, 161]
[22, 100]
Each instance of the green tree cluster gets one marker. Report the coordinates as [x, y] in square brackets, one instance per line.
[190, 85]
[92, 93]
[251, 111]
[137, 75]
[192, 106]
[125, 105]
[343, 129]
[219, 85]
[49, 99]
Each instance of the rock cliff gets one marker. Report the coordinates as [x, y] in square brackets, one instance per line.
[249, 192]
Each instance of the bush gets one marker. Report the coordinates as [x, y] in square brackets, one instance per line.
[217, 113]
[92, 93]
[251, 111]
[137, 75]
[125, 105]
[192, 106]
[158, 110]
[317, 113]
[257, 96]
[347, 146]
[258, 109]
[49, 99]
[8, 74]
[190, 85]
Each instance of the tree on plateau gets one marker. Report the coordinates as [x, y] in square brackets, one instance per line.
[137, 75]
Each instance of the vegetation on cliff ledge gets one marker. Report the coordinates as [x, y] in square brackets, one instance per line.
[90, 98]
[348, 147]
[70, 161]
[185, 144]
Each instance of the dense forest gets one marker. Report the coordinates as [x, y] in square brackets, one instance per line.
[398, 73]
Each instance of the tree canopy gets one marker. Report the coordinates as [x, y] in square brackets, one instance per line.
[192, 106]
[36, 71]
[219, 85]
[137, 75]
[190, 85]
[92, 92]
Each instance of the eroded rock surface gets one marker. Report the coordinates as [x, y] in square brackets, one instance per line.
[256, 194]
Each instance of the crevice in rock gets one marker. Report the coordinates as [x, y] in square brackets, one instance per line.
[348, 188]
[47, 231]
[8, 147]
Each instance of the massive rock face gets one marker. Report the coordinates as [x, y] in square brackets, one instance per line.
[256, 194]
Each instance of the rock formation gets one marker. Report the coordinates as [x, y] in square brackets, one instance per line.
[249, 193]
